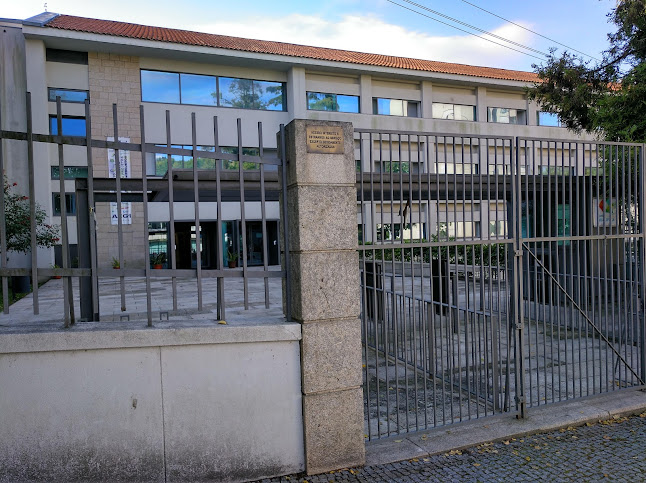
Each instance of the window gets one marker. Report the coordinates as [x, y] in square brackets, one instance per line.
[547, 119]
[70, 203]
[458, 229]
[159, 87]
[198, 89]
[498, 229]
[454, 111]
[67, 95]
[157, 163]
[563, 223]
[250, 94]
[395, 107]
[389, 232]
[318, 101]
[206, 90]
[72, 125]
[395, 167]
[457, 168]
[66, 56]
[70, 172]
[504, 115]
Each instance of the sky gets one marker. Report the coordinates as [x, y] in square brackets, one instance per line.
[375, 26]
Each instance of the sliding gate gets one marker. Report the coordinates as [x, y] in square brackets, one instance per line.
[497, 274]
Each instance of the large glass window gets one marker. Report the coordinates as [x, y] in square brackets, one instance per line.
[70, 172]
[72, 125]
[505, 115]
[548, 119]
[70, 203]
[159, 86]
[251, 94]
[395, 107]
[67, 95]
[318, 101]
[206, 90]
[157, 163]
[458, 229]
[198, 89]
[454, 111]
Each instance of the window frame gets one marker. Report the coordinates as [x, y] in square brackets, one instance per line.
[72, 202]
[51, 89]
[475, 112]
[358, 99]
[375, 107]
[53, 117]
[283, 94]
[524, 111]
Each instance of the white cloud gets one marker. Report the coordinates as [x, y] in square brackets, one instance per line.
[371, 34]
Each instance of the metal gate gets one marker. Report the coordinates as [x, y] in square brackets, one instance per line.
[497, 273]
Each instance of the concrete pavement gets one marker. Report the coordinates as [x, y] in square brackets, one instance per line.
[591, 439]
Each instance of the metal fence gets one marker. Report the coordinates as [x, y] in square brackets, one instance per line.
[497, 274]
[208, 184]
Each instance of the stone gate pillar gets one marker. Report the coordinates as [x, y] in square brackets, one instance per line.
[325, 298]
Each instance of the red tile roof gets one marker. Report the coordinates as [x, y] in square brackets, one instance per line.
[143, 32]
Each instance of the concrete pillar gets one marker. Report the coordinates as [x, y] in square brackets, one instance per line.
[322, 222]
[365, 86]
[296, 93]
[427, 99]
[481, 104]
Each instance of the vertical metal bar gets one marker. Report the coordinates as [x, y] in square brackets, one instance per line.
[641, 212]
[144, 195]
[288, 290]
[63, 206]
[265, 254]
[91, 214]
[243, 220]
[32, 205]
[3, 226]
[518, 284]
[171, 212]
[117, 167]
[220, 262]
[196, 204]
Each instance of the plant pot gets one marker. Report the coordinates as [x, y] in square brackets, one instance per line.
[158, 266]
[233, 263]
[56, 277]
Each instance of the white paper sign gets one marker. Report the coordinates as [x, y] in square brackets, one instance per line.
[126, 213]
[124, 158]
[604, 212]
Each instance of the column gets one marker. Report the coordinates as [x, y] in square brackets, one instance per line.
[322, 223]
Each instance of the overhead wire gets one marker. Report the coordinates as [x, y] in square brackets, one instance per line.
[529, 30]
[471, 33]
[473, 27]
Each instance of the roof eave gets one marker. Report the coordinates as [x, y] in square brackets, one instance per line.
[93, 42]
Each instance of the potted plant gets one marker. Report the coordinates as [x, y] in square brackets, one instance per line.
[56, 277]
[233, 258]
[157, 260]
[115, 263]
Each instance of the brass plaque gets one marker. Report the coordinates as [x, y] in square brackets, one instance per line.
[324, 139]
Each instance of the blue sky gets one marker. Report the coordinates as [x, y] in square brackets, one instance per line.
[376, 26]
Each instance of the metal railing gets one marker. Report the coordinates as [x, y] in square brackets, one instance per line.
[487, 284]
[211, 192]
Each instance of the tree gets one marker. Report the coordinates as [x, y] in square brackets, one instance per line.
[18, 222]
[607, 97]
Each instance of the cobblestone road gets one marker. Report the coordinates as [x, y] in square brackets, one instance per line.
[613, 450]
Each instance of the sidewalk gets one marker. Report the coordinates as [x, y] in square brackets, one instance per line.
[590, 439]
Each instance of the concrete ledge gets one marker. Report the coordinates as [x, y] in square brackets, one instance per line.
[102, 335]
[496, 428]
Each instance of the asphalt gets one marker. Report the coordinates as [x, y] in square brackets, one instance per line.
[600, 438]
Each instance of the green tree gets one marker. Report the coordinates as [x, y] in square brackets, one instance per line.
[248, 94]
[322, 102]
[607, 97]
[18, 222]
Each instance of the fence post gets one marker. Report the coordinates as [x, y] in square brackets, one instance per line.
[325, 292]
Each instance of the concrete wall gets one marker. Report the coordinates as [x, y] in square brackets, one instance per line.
[218, 403]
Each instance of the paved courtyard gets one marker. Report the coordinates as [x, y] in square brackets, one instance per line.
[610, 450]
